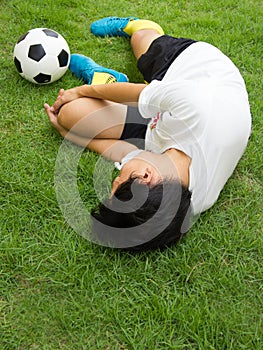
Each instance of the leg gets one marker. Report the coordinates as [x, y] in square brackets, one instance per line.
[112, 149]
[119, 26]
[91, 72]
[93, 118]
[142, 32]
[141, 40]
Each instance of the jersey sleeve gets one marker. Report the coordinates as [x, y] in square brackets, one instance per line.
[149, 101]
[184, 101]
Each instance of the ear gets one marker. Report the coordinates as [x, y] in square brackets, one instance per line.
[147, 176]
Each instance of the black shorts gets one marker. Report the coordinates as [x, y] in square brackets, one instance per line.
[135, 128]
[160, 55]
[153, 65]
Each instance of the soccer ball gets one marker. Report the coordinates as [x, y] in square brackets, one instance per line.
[41, 56]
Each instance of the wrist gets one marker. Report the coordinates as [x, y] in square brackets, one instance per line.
[82, 90]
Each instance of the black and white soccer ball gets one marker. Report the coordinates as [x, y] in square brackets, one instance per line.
[41, 56]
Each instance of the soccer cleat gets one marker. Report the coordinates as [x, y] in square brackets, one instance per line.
[111, 26]
[115, 26]
[92, 73]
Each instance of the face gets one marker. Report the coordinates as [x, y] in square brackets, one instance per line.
[140, 169]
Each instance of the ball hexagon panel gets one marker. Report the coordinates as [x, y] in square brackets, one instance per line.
[22, 37]
[50, 32]
[42, 78]
[36, 52]
[63, 58]
[18, 65]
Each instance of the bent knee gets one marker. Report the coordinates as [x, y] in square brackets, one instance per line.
[72, 112]
[136, 38]
[66, 114]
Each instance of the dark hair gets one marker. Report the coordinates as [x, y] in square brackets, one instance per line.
[139, 217]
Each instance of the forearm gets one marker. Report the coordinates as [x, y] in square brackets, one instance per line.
[113, 150]
[116, 92]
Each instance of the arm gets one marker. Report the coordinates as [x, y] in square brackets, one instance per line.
[116, 92]
[111, 149]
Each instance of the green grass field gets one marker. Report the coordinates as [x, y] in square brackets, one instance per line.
[59, 291]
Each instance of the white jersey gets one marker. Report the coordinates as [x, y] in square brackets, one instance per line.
[201, 108]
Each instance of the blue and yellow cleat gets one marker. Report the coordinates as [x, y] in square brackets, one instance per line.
[116, 26]
[111, 26]
[92, 73]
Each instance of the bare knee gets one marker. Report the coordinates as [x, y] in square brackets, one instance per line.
[78, 114]
[142, 39]
[72, 112]
[136, 37]
[64, 114]
[136, 43]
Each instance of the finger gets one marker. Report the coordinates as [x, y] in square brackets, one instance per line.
[61, 91]
[49, 112]
[60, 94]
[58, 103]
[47, 108]
[56, 106]
[59, 97]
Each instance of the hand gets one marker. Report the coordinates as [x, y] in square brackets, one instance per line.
[66, 96]
[53, 118]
